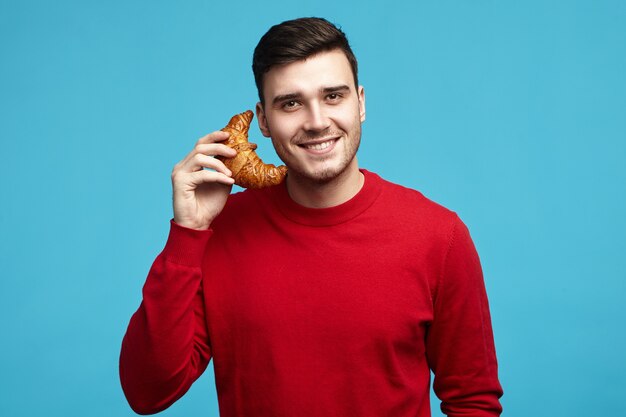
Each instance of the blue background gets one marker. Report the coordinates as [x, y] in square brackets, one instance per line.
[511, 113]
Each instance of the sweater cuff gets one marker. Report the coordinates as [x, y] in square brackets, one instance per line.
[185, 246]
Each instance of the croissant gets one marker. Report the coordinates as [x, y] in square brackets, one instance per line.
[248, 169]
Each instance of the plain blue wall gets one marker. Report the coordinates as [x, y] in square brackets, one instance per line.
[511, 113]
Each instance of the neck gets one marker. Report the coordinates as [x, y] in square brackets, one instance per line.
[328, 194]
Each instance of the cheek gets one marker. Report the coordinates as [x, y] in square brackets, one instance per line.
[349, 115]
[347, 124]
[282, 129]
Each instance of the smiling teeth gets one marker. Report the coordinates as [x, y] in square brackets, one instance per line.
[319, 146]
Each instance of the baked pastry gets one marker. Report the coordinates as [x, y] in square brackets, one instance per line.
[248, 169]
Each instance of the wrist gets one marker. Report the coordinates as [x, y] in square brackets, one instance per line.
[185, 246]
[193, 225]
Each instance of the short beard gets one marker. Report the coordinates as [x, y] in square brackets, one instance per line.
[326, 175]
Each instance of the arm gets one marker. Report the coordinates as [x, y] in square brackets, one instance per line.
[166, 346]
[459, 342]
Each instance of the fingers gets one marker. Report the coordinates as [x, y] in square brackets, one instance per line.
[204, 176]
[200, 161]
[207, 147]
[193, 168]
[185, 177]
[213, 137]
[215, 149]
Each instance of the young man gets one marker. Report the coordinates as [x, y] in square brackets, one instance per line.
[334, 293]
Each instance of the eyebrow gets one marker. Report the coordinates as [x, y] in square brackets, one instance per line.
[335, 89]
[324, 90]
[285, 97]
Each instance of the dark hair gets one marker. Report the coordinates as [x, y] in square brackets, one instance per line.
[295, 40]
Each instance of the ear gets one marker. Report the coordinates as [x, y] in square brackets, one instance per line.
[361, 94]
[260, 117]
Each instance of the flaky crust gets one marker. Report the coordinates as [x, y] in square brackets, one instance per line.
[248, 169]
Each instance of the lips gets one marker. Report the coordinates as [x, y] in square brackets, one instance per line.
[319, 146]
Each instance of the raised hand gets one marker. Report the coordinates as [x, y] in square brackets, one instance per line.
[200, 194]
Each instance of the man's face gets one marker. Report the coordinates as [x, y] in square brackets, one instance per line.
[313, 113]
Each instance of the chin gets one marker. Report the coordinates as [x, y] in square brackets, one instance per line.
[318, 172]
[322, 175]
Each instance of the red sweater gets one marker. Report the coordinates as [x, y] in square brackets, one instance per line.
[340, 311]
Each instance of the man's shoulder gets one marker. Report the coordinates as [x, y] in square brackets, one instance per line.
[244, 204]
[412, 217]
[243, 196]
[410, 201]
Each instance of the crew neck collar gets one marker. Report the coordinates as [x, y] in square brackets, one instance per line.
[328, 216]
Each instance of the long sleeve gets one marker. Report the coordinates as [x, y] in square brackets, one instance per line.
[460, 346]
[166, 346]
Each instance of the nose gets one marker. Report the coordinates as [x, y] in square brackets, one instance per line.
[317, 120]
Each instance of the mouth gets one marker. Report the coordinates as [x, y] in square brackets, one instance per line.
[318, 146]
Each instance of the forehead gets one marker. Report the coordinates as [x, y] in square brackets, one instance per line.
[325, 69]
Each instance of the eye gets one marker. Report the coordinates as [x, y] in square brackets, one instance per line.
[334, 97]
[290, 105]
